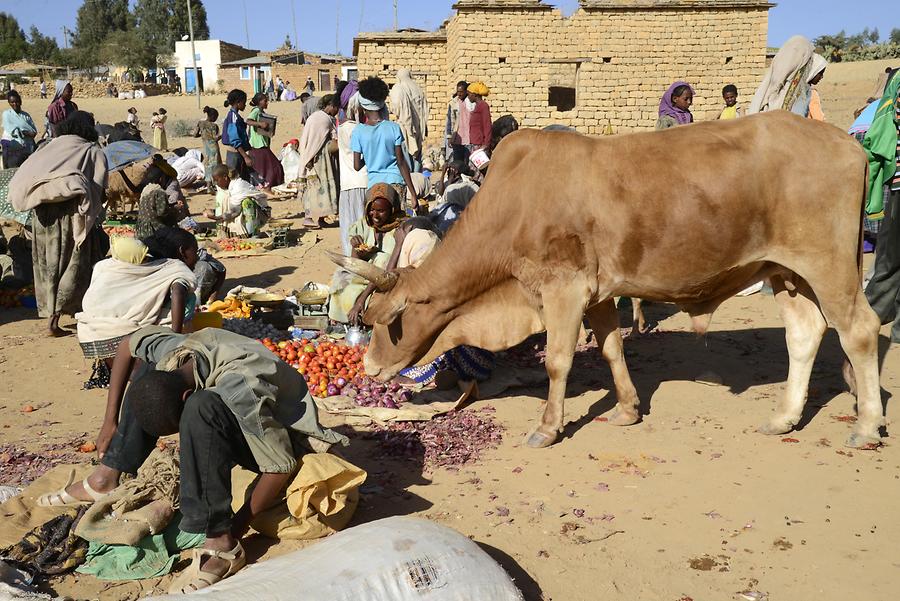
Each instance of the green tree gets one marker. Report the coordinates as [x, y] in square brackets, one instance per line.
[161, 23]
[97, 19]
[124, 48]
[178, 21]
[42, 48]
[895, 36]
[13, 45]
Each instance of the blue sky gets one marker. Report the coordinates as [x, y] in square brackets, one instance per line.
[318, 20]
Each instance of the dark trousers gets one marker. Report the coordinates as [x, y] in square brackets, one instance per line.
[212, 443]
[883, 290]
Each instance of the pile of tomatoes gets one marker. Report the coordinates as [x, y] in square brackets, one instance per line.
[326, 366]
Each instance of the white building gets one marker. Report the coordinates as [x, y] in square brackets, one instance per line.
[209, 54]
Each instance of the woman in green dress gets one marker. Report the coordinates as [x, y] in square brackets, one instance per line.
[208, 132]
[372, 240]
[265, 163]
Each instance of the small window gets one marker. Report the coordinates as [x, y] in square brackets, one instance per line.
[561, 93]
[728, 59]
[245, 73]
[563, 99]
[386, 67]
[324, 80]
[607, 59]
[502, 60]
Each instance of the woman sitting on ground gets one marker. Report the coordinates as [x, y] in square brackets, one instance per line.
[414, 239]
[241, 209]
[372, 240]
[144, 283]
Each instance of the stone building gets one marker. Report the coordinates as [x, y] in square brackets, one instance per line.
[251, 74]
[605, 65]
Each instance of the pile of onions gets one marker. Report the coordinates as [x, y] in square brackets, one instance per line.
[367, 392]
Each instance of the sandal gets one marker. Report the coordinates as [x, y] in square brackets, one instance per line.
[61, 498]
[194, 579]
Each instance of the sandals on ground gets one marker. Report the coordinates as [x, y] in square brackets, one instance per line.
[61, 498]
[194, 579]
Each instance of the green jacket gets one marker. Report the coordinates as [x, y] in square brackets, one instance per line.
[269, 398]
[880, 144]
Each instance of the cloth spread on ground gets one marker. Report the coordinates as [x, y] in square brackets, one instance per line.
[141, 506]
[152, 557]
[68, 167]
[51, 548]
[429, 403]
[319, 501]
[22, 513]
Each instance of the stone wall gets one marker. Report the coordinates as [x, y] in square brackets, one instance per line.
[295, 74]
[90, 89]
[426, 59]
[620, 58]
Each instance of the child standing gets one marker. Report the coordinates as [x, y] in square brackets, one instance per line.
[158, 123]
[132, 118]
[208, 132]
[233, 403]
[377, 144]
[731, 110]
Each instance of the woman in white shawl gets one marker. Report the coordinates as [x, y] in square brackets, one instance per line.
[141, 285]
[320, 193]
[353, 183]
[64, 184]
[787, 82]
[409, 104]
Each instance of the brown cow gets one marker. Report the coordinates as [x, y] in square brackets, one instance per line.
[690, 216]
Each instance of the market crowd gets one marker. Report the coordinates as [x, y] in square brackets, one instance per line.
[361, 163]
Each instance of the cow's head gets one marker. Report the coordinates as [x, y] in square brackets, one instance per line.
[414, 320]
[403, 328]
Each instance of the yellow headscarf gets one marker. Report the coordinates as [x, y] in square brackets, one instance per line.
[479, 88]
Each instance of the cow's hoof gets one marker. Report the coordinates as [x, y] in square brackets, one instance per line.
[540, 440]
[775, 427]
[863, 441]
[623, 418]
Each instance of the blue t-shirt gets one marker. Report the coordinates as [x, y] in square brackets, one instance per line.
[234, 131]
[376, 144]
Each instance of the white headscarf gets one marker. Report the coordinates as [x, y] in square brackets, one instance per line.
[817, 65]
[790, 62]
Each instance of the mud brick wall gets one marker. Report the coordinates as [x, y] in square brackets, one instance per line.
[618, 57]
[426, 59]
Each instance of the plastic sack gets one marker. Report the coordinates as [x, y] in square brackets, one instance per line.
[290, 162]
[394, 559]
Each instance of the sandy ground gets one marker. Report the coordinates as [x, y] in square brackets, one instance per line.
[690, 504]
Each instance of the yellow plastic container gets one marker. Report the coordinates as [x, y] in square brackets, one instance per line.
[207, 319]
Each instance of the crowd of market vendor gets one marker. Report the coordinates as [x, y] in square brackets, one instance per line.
[135, 298]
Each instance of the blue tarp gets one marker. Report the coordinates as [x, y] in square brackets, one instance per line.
[124, 153]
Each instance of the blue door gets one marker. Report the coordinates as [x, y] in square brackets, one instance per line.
[190, 80]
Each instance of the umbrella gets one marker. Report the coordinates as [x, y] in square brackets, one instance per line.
[127, 152]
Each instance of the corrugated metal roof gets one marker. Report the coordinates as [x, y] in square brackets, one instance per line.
[246, 62]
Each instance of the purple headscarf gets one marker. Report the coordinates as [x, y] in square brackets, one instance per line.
[666, 107]
[349, 90]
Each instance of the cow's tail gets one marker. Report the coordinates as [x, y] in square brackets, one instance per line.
[862, 226]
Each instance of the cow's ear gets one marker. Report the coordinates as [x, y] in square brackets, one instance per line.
[385, 308]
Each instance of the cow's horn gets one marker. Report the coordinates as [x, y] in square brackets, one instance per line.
[361, 268]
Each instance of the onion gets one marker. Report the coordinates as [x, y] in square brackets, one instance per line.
[388, 403]
[341, 382]
[394, 387]
[332, 390]
[405, 396]
[350, 391]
